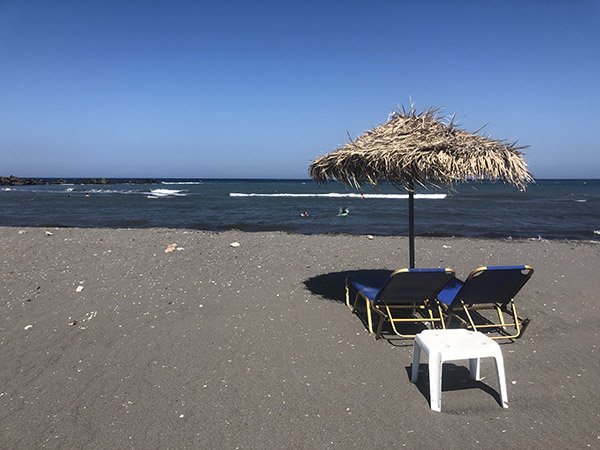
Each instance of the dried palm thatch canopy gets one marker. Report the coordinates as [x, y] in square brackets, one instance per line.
[419, 148]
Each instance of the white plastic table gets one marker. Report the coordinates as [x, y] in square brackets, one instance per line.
[452, 345]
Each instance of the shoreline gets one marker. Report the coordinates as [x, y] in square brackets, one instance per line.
[108, 341]
[417, 237]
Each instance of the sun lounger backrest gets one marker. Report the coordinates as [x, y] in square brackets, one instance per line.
[493, 284]
[413, 286]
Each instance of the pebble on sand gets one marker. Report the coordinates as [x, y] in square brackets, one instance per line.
[235, 244]
[28, 327]
[173, 247]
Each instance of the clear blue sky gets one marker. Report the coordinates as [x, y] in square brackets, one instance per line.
[258, 89]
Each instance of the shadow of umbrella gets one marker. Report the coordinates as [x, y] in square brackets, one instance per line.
[332, 286]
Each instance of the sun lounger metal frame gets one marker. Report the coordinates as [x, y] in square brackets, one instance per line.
[385, 310]
[504, 307]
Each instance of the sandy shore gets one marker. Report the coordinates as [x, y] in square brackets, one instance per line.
[250, 347]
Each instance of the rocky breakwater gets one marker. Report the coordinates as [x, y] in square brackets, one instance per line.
[17, 181]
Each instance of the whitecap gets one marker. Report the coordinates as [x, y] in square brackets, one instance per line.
[167, 193]
[343, 195]
[581, 201]
[596, 231]
[105, 191]
[181, 182]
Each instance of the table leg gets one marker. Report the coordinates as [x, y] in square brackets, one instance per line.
[475, 368]
[501, 378]
[435, 381]
[416, 360]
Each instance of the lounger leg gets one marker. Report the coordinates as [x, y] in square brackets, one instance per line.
[416, 361]
[431, 318]
[501, 318]
[369, 316]
[501, 378]
[468, 314]
[348, 295]
[435, 381]
[355, 303]
[516, 320]
[475, 368]
[379, 327]
[441, 316]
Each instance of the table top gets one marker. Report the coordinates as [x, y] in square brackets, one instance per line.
[455, 339]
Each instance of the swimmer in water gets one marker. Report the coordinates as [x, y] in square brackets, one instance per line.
[304, 214]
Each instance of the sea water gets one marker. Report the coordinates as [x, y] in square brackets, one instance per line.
[548, 209]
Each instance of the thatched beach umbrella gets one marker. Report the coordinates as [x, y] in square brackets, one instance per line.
[419, 148]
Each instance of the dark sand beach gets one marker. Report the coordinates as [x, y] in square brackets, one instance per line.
[215, 346]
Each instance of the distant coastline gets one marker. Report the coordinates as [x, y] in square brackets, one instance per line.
[17, 181]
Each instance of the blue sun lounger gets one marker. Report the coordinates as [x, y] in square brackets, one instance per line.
[410, 290]
[487, 288]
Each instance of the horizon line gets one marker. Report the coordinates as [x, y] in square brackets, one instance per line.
[234, 178]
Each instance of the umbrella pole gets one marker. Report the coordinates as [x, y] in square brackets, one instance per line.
[411, 224]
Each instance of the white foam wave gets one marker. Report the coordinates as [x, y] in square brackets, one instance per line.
[162, 193]
[596, 231]
[155, 193]
[7, 189]
[581, 201]
[108, 191]
[181, 182]
[346, 195]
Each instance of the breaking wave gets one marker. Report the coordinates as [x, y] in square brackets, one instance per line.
[164, 193]
[181, 182]
[346, 195]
